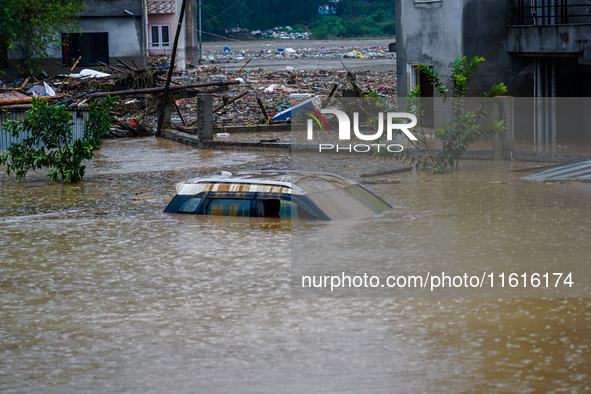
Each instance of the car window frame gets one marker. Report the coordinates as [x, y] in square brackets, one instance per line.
[309, 208]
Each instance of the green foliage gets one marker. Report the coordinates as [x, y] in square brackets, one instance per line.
[49, 141]
[328, 27]
[256, 14]
[357, 18]
[354, 18]
[465, 126]
[32, 25]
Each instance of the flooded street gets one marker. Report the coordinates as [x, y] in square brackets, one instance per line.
[102, 291]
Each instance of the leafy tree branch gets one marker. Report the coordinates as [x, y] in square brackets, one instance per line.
[47, 140]
[464, 126]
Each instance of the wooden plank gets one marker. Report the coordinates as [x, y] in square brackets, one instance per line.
[25, 100]
[244, 129]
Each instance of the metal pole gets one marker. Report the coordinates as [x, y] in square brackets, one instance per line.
[546, 71]
[553, 112]
[144, 35]
[200, 40]
[170, 71]
[539, 119]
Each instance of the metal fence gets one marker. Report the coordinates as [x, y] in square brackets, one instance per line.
[550, 12]
[78, 120]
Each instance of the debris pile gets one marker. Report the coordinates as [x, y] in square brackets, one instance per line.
[285, 53]
[245, 97]
[281, 33]
[264, 94]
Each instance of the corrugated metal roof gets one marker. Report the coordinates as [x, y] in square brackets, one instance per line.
[78, 120]
[574, 171]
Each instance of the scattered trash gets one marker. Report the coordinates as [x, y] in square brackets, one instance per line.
[335, 52]
[310, 104]
[273, 87]
[300, 95]
[88, 73]
[42, 90]
[226, 49]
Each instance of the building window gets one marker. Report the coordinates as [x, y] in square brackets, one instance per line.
[160, 36]
[91, 48]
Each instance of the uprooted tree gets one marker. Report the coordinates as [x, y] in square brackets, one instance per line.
[464, 126]
[47, 140]
[32, 26]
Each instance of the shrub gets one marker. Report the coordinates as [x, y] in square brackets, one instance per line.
[49, 141]
[464, 127]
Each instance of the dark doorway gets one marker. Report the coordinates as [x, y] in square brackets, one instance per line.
[92, 48]
[3, 54]
[427, 92]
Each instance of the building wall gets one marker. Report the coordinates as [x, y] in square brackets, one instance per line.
[484, 33]
[126, 36]
[427, 32]
[162, 19]
[172, 20]
[112, 7]
[440, 32]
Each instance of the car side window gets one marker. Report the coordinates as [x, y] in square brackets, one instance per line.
[228, 207]
[191, 205]
[284, 206]
[184, 204]
[287, 210]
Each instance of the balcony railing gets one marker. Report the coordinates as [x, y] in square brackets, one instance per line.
[550, 12]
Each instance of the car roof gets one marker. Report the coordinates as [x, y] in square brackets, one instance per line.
[279, 182]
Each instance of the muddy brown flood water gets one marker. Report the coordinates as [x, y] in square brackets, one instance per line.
[100, 292]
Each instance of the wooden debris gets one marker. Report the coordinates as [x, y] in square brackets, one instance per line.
[112, 67]
[332, 91]
[161, 89]
[263, 110]
[230, 101]
[245, 64]
[74, 66]
[399, 170]
[139, 93]
[24, 100]
[381, 182]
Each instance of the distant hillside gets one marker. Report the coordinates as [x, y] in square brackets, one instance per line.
[323, 18]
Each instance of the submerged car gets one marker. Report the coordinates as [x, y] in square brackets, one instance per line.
[276, 194]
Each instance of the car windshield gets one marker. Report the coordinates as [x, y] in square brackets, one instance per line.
[341, 202]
